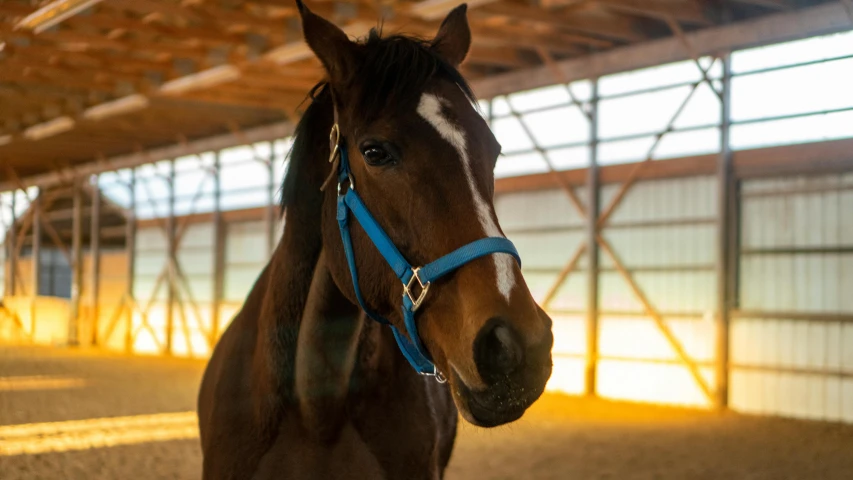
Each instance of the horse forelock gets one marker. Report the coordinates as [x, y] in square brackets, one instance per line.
[392, 70]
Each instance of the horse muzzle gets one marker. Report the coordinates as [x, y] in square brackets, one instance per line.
[515, 376]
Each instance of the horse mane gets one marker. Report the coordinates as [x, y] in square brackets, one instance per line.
[392, 70]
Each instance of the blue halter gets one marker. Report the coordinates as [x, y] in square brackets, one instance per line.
[411, 277]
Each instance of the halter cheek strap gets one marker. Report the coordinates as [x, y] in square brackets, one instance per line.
[415, 280]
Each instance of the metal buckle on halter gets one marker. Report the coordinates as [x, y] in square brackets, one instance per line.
[407, 289]
[334, 142]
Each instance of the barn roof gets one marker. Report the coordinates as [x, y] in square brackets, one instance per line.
[92, 84]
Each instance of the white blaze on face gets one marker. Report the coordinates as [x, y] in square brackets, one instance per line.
[430, 109]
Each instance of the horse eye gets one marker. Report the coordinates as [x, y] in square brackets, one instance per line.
[376, 156]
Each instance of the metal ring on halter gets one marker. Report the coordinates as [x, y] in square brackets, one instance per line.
[439, 377]
[351, 185]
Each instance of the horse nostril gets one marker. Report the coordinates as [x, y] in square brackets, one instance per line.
[497, 350]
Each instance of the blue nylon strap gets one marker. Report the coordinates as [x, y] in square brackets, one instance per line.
[343, 223]
[411, 346]
[474, 250]
[384, 244]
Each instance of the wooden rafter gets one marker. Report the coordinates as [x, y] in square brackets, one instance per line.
[685, 10]
[119, 47]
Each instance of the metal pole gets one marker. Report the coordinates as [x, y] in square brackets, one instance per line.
[593, 194]
[270, 211]
[726, 202]
[11, 238]
[36, 259]
[130, 245]
[95, 254]
[76, 265]
[218, 253]
[172, 277]
[36, 251]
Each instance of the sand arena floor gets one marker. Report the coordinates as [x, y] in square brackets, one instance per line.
[560, 438]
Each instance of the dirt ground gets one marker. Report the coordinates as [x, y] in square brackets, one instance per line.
[560, 438]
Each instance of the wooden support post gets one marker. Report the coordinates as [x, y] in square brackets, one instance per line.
[95, 254]
[36, 251]
[592, 206]
[36, 259]
[171, 276]
[130, 246]
[218, 254]
[11, 235]
[76, 265]
[726, 241]
[270, 211]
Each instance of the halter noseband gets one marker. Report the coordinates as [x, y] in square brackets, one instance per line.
[413, 278]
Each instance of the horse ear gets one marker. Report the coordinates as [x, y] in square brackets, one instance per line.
[328, 42]
[454, 36]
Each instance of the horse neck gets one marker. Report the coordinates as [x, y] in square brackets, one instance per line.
[279, 297]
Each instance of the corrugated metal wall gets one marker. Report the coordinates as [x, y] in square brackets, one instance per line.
[796, 255]
[246, 255]
[150, 290]
[664, 233]
[792, 344]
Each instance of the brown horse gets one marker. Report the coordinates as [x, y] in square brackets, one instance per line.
[302, 384]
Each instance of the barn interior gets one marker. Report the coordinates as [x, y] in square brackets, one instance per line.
[676, 174]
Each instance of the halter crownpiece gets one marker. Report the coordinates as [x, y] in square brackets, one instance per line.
[412, 278]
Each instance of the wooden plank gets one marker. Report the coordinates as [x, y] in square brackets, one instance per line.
[593, 195]
[257, 134]
[685, 10]
[618, 28]
[825, 157]
[76, 268]
[828, 18]
[772, 4]
[95, 254]
[130, 241]
[218, 255]
[727, 234]
[680, 167]
[502, 57]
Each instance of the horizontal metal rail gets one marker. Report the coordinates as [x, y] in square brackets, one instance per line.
[793, 65]
[839, 249]
[793, 370]
[792, 315]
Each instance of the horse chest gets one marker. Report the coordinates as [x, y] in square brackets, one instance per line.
[375, 443]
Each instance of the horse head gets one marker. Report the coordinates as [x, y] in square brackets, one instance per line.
[421, 158]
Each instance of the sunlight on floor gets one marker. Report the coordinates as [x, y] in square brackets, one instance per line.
[36, 438]
[40, 382]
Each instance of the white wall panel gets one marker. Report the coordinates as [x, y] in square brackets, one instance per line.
[663, 259]
[536, 209]
[797, 217]
[245, 258]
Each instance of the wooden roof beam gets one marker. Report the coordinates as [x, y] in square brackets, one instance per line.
[520, 36]
[138, 26]
[258, 134]
[771, 4]
[684, 11]
[502, 57]
[620, 29]
[823, 19]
